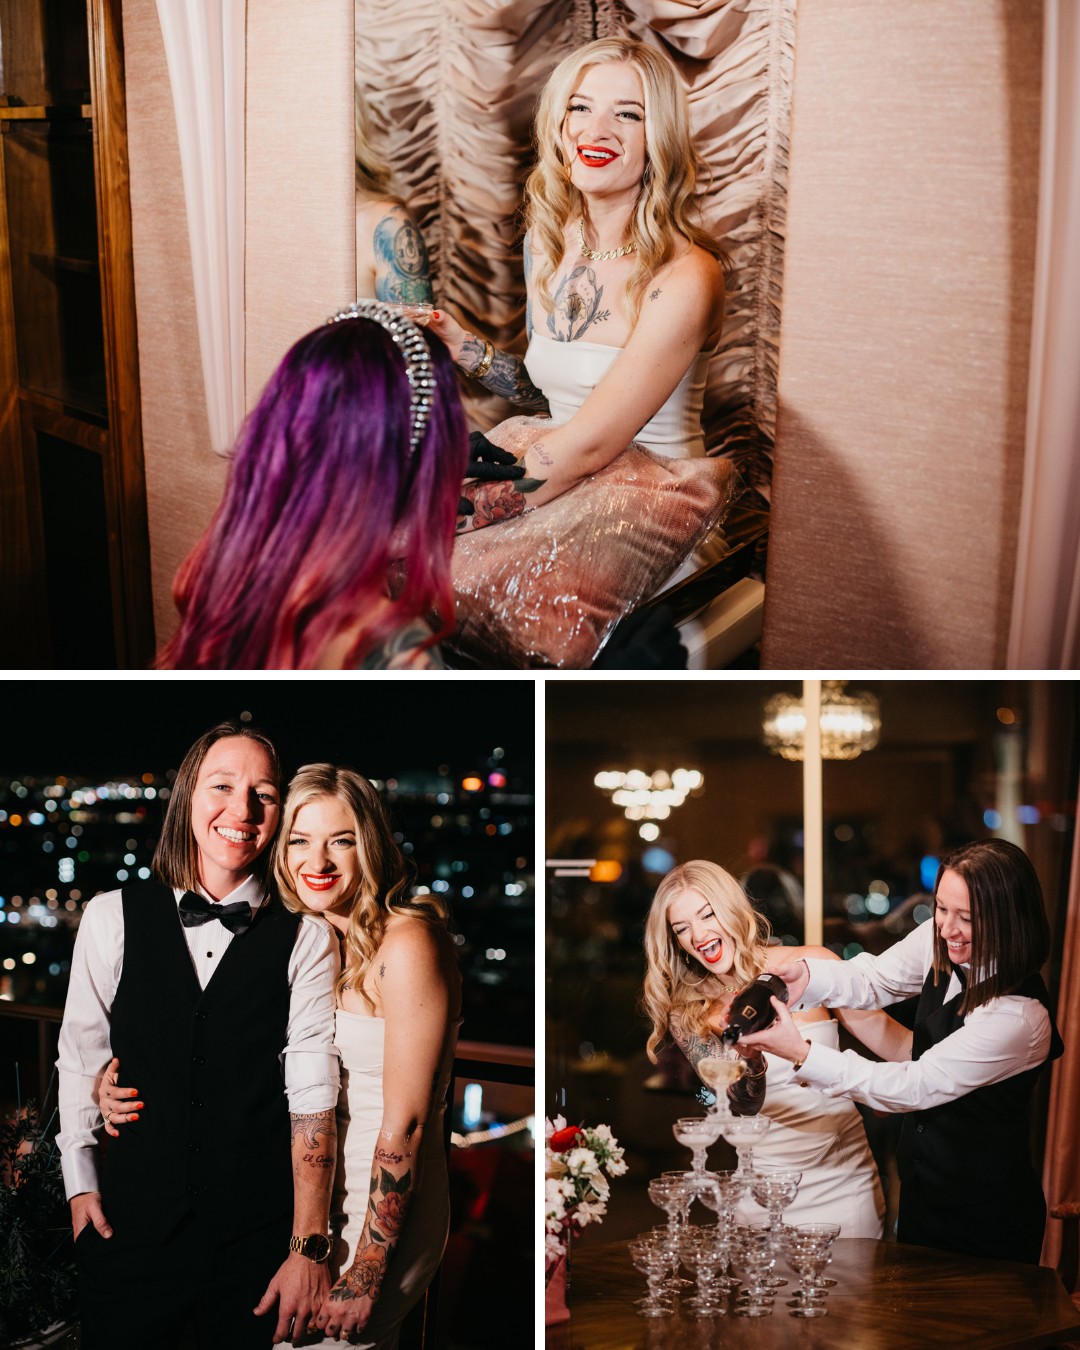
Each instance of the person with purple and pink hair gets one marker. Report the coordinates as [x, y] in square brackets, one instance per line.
[331, 547]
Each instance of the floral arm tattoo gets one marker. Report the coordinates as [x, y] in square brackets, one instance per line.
[506, 376]
[746, 1095]
[393, 1184]
[402, 269]
[493, 502]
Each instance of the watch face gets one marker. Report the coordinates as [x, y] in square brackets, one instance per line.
[315, 1247]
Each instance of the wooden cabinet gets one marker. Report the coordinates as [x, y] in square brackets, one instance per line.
[74, 554]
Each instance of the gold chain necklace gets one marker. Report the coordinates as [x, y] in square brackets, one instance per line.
[608, 254]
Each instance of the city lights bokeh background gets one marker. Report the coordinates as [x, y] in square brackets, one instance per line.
[86, 771]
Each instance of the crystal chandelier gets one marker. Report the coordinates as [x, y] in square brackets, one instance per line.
[850, 723]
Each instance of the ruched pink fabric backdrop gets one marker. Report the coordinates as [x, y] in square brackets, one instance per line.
[452, 91]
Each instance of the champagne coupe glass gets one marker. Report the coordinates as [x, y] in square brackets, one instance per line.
[687, 1180]
[775, 1191]
[755, 1258]
[722, 1197]
[697, 1133]
[808, 1257]
[702, 1254]
[828, 1232]
[669, 1193]
[718, 1071]
[653, 1259]
[745, 1133]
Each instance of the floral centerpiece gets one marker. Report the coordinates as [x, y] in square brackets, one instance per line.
[576, 1159]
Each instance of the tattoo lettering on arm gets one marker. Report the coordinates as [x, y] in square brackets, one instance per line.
[386, 1156]
[402, 270]
[577, 305]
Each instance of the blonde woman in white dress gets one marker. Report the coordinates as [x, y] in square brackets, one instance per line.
[703, 942]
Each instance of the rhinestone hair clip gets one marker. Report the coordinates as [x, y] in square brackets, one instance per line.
[409, 340]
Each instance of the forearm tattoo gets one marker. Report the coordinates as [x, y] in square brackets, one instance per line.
[495, 502]
[388, 1205]
[314, 1140]
[402, 270]
[506, 376]
[747, 1094]
[576, 305]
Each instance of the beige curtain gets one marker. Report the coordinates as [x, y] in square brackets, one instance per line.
[204, 48]
[1045, 629]
[452, 91]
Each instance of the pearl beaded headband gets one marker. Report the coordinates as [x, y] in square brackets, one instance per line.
[409, 340]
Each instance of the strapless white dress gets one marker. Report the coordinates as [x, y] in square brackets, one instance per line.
[359, 1040]
[568, 372]
[822, 1137]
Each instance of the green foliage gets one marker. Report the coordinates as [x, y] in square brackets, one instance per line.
[36, 1253]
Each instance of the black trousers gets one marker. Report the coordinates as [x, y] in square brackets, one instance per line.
[135, 1292]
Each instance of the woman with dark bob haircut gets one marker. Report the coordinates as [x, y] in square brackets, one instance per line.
[983, 1033]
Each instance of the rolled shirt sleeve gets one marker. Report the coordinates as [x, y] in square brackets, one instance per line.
[85, 1044]
[312, 1069]
[1002, 1038]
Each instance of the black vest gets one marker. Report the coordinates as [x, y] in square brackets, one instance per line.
[967, 1183]
[214, 1137]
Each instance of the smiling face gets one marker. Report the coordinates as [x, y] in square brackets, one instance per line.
[697, 930]
[952, 914]
[603, 132]
[235, 807]
[322, 860]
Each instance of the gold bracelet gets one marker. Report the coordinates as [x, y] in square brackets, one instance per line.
[484, 365]
[798, 1066]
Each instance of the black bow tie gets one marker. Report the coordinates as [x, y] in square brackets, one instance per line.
[196, 910]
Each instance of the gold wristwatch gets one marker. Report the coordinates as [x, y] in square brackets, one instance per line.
[316, 1247]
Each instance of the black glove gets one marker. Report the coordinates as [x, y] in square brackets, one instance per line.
[488, 463]
[646, 640]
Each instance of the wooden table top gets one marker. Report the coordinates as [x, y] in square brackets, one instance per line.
[889, 1296]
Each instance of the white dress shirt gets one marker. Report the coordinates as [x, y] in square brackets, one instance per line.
[310, 1061]
[1002, 1038]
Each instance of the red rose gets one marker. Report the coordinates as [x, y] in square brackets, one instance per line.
[497, 501]
[562, 1141]
[391, 1211]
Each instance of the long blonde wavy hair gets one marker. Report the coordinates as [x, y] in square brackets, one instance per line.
[374, 176]
[677, 988]
[663, 217]
[384, 874]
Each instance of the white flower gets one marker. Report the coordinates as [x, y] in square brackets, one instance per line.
[553, 1126]
[582, 1162]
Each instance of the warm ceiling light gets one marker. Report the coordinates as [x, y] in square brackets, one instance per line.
[850, 723]
[645, 796]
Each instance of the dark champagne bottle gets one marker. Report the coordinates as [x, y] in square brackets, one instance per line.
[751, 1009]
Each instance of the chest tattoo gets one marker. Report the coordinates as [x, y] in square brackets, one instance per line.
[577, 305]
